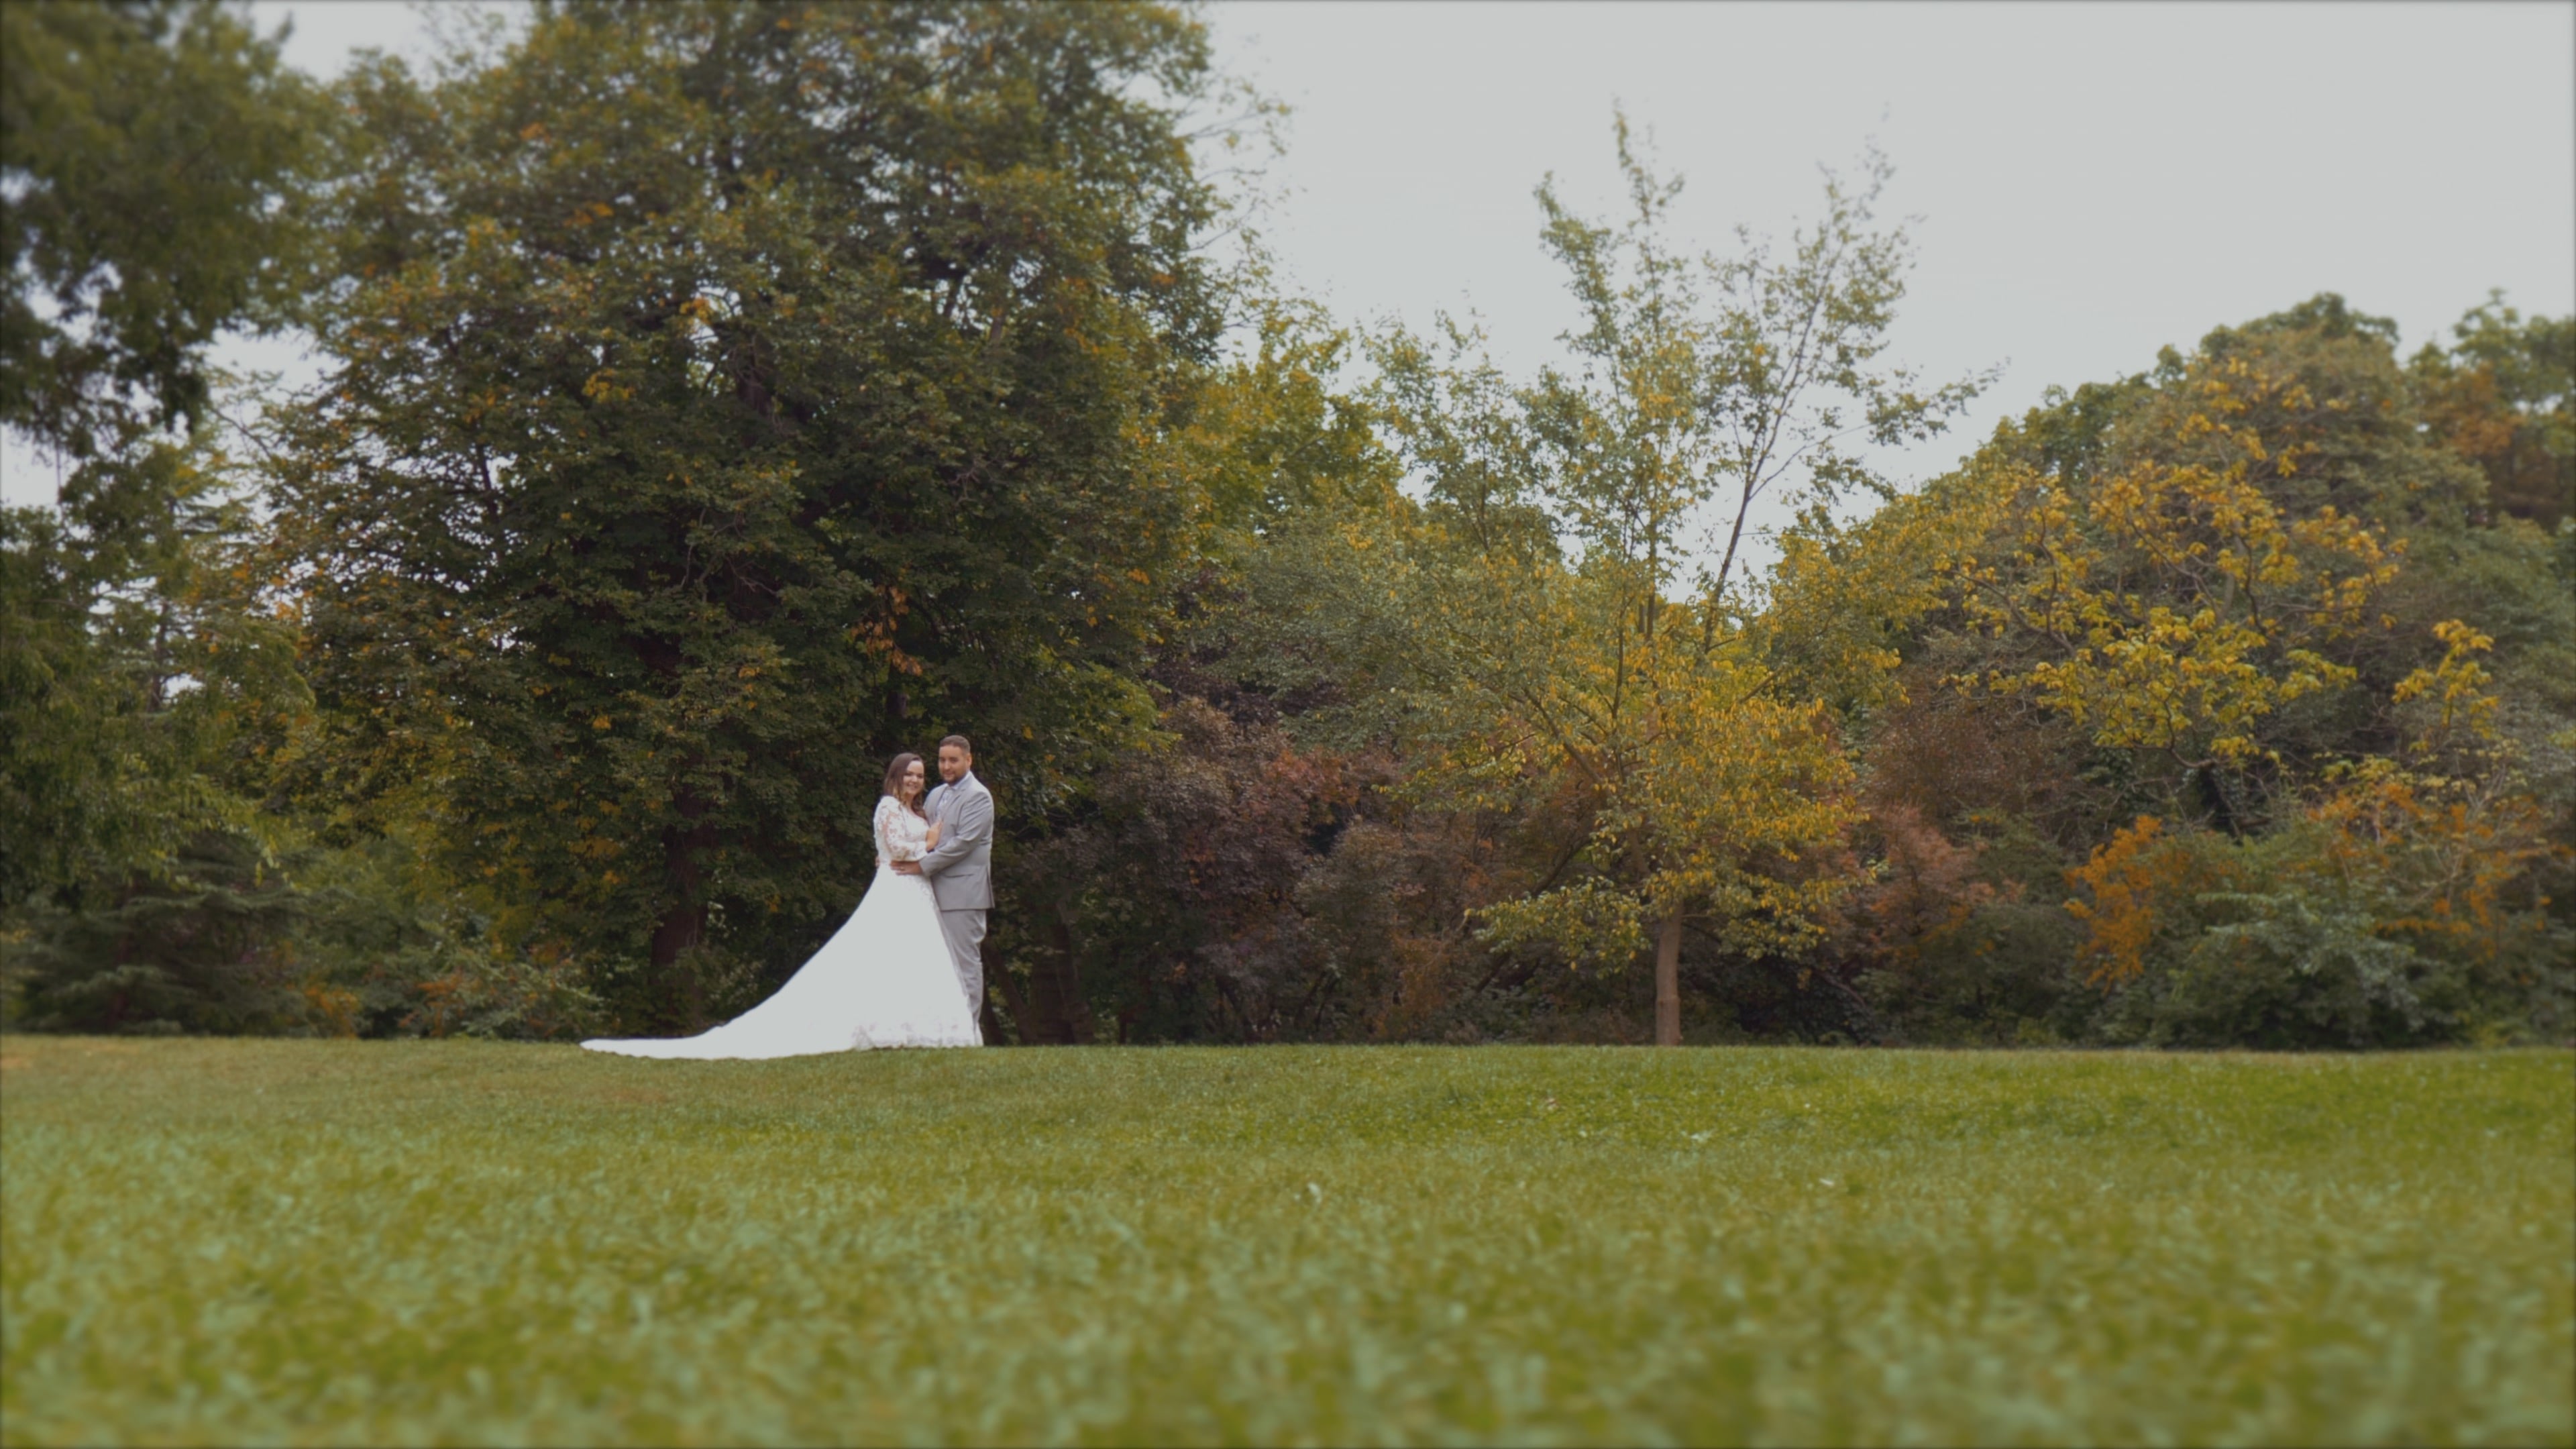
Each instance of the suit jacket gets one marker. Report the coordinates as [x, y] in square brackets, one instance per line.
[960, 868]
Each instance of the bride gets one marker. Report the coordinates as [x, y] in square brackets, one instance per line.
[884, 979]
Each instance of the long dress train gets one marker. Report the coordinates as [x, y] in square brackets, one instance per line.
[885, 979]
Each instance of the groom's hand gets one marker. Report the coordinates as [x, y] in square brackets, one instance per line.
[907, 867]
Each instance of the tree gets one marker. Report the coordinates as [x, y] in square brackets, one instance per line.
[151, 159]
[141, 682]
[2257, 597]
[2504, 396]
[725, 396]
[2238, 570]
[1796, 346]
[1703, 790]
[2177, 606]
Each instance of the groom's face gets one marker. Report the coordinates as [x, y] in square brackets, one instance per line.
[954, 763]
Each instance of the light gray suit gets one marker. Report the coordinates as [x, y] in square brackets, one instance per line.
[960, 871]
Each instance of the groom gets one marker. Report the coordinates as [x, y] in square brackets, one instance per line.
[960, 866]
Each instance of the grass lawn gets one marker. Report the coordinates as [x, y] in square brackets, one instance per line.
[341, 1242]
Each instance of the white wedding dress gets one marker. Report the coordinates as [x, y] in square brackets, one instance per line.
[884, 979]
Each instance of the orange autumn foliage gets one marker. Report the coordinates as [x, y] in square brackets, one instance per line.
[1926, 889]
[2431, 862]
[2135, 879]
[2385, 827]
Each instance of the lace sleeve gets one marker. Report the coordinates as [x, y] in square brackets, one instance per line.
[892, 843]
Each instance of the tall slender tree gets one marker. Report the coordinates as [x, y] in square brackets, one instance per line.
[1584, 656]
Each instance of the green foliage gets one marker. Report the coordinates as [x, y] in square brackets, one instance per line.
[387, 945]
[2259, 595]
[1560, 666]
[2278, 970]
[142, 687]
[198, 946]
[150, 701]
[723, 396]
[1948, 944]
[1174, 909]
[1308, 597]
[2504, 396]
[361, 1242]
[118, 607]
[2396, 911]
[726, 396]
[151, 157]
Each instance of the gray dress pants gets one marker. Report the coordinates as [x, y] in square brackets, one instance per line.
[965, 933]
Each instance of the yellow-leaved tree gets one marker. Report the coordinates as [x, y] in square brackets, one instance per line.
[2174, 605]
[1592, 668]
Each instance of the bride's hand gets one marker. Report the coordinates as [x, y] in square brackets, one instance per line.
[931, 841]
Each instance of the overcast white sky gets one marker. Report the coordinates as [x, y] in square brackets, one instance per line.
[2093, 181]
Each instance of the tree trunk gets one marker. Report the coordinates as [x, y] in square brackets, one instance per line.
[683, 926]
[1055, 990]
[1668, 983]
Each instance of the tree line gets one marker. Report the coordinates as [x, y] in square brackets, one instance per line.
[717, 398]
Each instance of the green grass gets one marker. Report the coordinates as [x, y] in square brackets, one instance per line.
[455, 1242]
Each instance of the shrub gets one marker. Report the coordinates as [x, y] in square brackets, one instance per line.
[2394, 910]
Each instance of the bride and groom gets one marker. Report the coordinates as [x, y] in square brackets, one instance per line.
[907, 968]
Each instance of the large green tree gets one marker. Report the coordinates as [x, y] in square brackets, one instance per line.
[148, 155]
[723, 396]
[140, 682]
[151, 157]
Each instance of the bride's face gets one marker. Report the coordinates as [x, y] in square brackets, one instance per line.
[912, 778]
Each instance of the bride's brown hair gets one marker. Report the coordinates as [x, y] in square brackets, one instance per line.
[894, 783]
